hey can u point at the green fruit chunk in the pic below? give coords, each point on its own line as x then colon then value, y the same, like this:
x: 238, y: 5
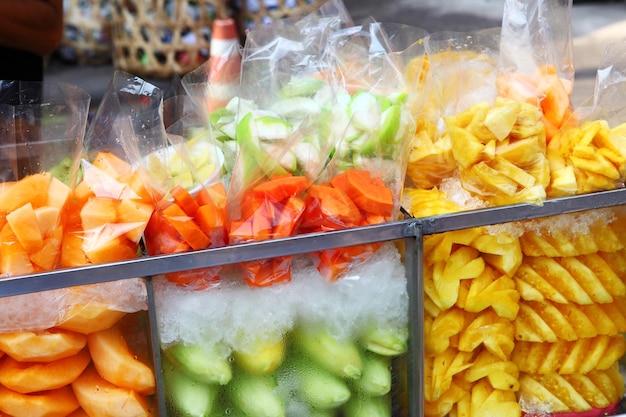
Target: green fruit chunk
x: 341, y: 357
x: 185, y: 396
x: 208, y: 364
x: 255, y: 395
x: 318, y: 387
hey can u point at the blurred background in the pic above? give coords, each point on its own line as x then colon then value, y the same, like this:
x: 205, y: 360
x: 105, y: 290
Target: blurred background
x: 160, y: 51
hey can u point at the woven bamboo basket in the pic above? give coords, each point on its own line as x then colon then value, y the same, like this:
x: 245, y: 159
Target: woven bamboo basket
x: 87, y: 32
x: 252, y: 13
x: 160, y: 38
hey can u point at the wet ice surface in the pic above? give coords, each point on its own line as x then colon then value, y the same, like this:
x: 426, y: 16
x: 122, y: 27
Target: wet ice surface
x: 372, y: 293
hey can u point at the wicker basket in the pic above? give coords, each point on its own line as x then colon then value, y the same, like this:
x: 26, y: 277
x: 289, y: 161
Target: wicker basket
x: 87, y: 32
x: 160, y: 38
x: 251, y: 13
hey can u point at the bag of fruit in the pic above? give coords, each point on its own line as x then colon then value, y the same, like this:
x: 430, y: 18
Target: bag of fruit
x: 283, y: 133
x: 110, y: 208
x: 371, y: 127
x: 589, y: 155
x: 192, y: 213
x: 536, y: 63
x: 53, y: 341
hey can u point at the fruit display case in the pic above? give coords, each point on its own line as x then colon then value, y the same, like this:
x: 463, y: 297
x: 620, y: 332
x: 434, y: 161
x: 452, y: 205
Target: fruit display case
x: 410, y: 231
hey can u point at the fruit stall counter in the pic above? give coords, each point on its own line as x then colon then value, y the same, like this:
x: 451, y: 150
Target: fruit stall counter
x: 410, y: 232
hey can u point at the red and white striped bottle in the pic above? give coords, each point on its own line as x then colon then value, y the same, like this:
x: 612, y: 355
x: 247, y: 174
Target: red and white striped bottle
x: 224, y: 63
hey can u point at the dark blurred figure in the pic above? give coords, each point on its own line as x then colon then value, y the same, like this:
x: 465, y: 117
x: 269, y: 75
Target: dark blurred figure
x: 29, y: 30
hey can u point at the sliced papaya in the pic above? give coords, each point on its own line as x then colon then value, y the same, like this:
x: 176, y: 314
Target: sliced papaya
x: 28, y: 377
x: 212, y: 221
x: 98, y: 397
x: 267, y: 272
x: 288, y: 219
x: 370, y: 194
x: 162, y: 238
x: 329, y: 208
x: 117, y: 364
x: 215, y: 193
x: 184, y: 199
x: 186, y: 227
x: 89, y: 318
x: 195, y: 279
x: 52, y: 403
x: 42, y: 346
x: 282, y: 187
x: 111, y: 164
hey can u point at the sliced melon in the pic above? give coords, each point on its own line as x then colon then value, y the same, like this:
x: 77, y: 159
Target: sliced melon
x: 42, y: 346
x: 98, y: 397
x: 29, y: 377
x: 117, y: 364
x: 52, y: 403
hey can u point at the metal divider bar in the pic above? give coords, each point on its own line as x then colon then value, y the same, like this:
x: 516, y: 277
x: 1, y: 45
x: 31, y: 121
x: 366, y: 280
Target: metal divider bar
x: 155, y: 347
x: 415, y: 287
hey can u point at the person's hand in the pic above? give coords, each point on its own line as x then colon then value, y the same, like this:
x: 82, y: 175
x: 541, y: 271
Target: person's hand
x: 31, y: 25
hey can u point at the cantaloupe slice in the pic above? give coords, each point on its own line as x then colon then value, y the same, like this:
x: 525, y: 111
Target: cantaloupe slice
x: 53, y: 403
x: 108, y: 244
x: 42, y: 346
x: 14, y: 260
x: 58, y: 193
x: 90, y: 318
x: 48, y: 257
x: 97, y: 212
x: 143, y: 185
x: 117, y: 364
x: 30, y: 189
x: 29, y: 377
x: 134, y: 212
x: 98, y: 397
x: 111, y: 164
x: 25, y: 226
x: 48, y: 218
x: 72, y: 252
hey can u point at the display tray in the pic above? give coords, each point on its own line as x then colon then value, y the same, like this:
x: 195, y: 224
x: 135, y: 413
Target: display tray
x: 410, y: 230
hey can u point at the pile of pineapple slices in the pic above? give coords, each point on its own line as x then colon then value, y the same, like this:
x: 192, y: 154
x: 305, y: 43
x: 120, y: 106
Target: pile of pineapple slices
x: 525, y: 318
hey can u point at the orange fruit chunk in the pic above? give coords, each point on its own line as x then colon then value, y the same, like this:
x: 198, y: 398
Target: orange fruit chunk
x: 29, y: 377
x: 42, y: 346
x: 98, y: 397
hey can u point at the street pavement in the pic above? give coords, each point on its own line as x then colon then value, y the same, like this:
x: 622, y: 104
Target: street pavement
x: 594, y: 25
